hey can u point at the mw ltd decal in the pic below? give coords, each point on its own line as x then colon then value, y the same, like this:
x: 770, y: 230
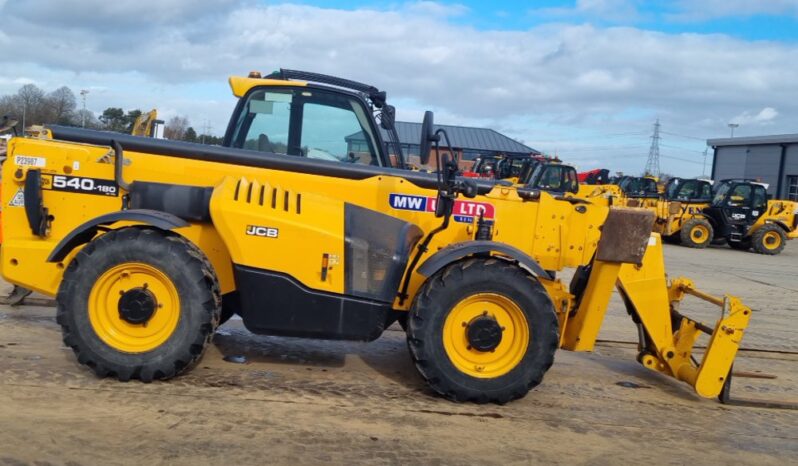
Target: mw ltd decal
x: 464, y: 211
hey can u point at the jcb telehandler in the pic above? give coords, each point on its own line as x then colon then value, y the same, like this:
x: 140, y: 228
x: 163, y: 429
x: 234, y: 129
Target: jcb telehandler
x: 639, y: 191
x: 679, y: 211
x: 741, y: 214
x: 148, y: 244
x: 560, y: 180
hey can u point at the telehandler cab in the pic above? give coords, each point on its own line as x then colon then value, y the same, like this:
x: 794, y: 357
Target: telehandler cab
x: 149, y: 244
x: 639, y: 191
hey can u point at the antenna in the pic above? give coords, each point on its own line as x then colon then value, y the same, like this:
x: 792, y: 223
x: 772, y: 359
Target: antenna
x: 652, y: 164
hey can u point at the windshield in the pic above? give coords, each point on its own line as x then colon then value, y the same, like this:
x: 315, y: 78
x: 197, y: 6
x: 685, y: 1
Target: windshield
x: 673, y: 188
x: 688, y: 190
x: 720, y: 194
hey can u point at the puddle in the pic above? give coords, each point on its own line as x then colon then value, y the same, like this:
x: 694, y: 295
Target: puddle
x: 236, y: 358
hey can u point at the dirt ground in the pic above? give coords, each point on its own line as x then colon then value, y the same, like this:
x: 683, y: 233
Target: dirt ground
x: 308, y: 402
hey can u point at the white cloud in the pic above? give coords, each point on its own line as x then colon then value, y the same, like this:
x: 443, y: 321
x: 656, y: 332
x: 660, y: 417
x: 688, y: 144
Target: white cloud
x: 701, y: 10
x: 764, y: 116
x: 539, y: 85
x: 610, y: 10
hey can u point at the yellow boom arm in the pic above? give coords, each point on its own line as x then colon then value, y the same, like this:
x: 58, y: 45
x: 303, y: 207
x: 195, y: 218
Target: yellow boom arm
x: 667, y: 338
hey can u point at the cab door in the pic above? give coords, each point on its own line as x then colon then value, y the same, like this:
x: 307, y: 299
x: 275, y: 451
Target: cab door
x: 738, y: 204
x: 759, y: 203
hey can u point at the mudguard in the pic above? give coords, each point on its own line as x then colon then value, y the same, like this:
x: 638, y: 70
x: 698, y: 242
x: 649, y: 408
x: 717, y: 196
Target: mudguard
x: 86, y: 231
x: 458, y: 251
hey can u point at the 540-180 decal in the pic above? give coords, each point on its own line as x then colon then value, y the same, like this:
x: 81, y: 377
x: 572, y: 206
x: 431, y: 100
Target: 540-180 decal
x: 80, y: 184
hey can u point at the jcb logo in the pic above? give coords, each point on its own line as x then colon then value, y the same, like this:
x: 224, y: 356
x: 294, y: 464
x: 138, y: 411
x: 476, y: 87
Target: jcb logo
x: 265, y: 232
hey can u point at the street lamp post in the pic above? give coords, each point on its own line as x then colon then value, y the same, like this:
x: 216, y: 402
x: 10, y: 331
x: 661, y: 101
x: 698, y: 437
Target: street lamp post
x: 732, y: 126
x: 83, y: 93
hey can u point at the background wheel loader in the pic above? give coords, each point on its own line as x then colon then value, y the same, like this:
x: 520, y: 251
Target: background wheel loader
x: 146, y: 242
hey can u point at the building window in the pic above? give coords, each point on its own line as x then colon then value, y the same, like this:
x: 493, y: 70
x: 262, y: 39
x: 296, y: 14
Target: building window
x: 792, y: 188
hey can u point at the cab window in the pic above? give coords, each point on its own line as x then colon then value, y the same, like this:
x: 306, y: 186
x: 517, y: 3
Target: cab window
x: 268, y: 115
x: 760, y: 198
x: 706, y: 191
x: 571, y: 181
x: 310, y: 123
x: 739, y: 196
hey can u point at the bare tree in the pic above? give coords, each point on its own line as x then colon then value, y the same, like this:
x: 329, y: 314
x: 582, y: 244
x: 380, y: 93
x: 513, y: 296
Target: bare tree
x: 62, y: 105
x: 90, y: 119
x: 176, y: 128
x: 34, y: 108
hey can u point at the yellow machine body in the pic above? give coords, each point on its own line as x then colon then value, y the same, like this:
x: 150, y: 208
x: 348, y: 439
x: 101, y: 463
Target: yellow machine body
x: 295, y: 223
x: 671, y: 215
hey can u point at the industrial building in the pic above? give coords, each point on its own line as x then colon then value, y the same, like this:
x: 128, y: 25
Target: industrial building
x: 467, y: 142
x: 769, y: 159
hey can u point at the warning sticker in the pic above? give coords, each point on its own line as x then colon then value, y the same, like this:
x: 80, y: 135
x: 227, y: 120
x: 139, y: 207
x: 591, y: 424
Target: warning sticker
x: 18, y: 200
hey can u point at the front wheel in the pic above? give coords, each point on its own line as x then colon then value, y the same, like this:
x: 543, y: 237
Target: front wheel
x: 696, y: 233
x: 138, y: 304
x: 482, y: 330
x: 769, y: 239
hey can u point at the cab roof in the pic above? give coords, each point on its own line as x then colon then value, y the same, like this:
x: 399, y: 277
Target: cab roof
x: 240, y: 85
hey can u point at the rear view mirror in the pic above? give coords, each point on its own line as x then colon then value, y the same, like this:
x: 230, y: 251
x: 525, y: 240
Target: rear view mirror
x: 427, y: 138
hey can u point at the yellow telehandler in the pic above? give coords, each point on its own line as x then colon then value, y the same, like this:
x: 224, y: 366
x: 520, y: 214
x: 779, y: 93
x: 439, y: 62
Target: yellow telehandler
x: 149, y: 244
x: 679, y: 209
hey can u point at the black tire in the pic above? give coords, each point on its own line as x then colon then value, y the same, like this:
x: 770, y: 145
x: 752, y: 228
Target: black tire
x: 456, y: 282
x: 743, y: 245
x: 696, y: 233
x: 769, y: 239
x: 183, y: 265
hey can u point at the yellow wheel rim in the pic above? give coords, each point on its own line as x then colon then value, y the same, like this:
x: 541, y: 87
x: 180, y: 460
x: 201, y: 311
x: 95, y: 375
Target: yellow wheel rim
x: 514, y: 336
x: 699, y: 234
x: 121, y: 334
x: 771, y: 240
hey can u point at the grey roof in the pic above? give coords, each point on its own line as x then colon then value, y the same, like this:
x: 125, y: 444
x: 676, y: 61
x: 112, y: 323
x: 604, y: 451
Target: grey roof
x: 754, y: 140
x: 464, y: 137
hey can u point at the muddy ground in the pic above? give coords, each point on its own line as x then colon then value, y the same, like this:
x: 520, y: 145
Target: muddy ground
x: 307, y: 402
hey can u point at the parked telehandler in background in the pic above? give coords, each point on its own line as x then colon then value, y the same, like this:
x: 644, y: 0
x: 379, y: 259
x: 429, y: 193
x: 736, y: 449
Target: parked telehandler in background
x: 149, y: 244
x: 639, y: 191
x: 679, y: 211
x: 741, y: 214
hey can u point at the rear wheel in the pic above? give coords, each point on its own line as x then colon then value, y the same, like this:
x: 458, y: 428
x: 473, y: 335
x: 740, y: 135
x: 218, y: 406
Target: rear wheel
x: 696, y: 233
x: 138, y: 304
x: 482, y: 330
x: 769, y: 239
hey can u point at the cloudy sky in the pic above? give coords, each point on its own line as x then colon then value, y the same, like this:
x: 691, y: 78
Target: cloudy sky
x: 584, y: 79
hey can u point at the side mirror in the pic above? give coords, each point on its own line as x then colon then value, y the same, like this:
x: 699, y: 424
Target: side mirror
x: 443, y: 205
x: 427, y: 138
